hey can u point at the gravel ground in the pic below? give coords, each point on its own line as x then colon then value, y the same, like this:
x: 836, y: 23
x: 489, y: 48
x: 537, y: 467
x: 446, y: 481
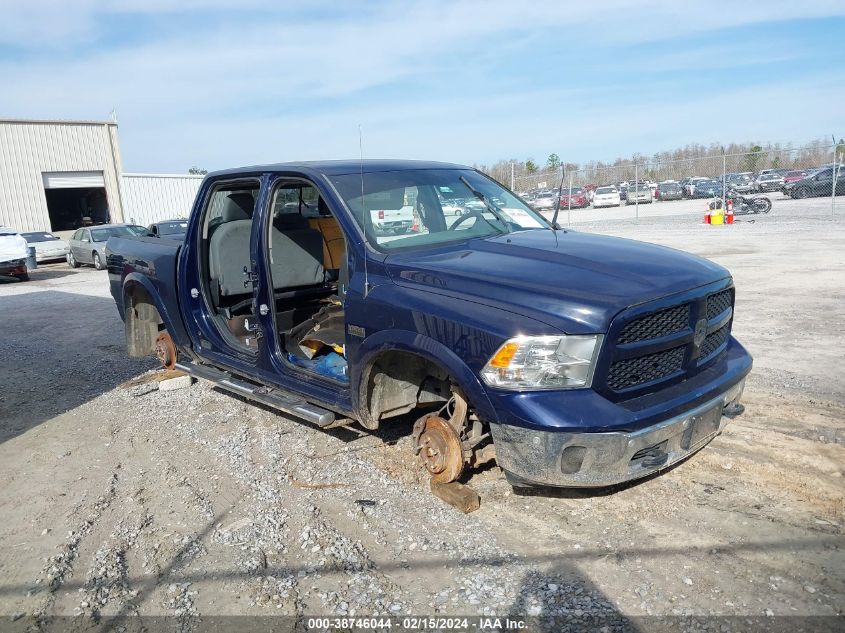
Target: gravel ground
x: 124, y: 499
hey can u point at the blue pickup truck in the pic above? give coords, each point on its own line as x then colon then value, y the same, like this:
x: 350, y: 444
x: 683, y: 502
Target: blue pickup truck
x: 571, y: 359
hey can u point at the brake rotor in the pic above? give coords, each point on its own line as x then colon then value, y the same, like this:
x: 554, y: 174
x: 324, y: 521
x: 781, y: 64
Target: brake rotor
x: 439, y: 448
x: 165, y: 350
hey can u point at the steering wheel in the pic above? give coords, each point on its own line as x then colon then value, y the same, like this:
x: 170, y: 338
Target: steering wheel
x: 472, y: 214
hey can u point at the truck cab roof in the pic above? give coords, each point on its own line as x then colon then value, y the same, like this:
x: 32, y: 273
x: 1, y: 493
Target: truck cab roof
x: 341, y: 167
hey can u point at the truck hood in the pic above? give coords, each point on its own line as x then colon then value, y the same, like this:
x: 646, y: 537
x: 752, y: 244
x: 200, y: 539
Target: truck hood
x: 575, y: 282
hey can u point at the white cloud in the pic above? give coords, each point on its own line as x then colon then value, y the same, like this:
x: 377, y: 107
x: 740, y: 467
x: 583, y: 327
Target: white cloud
x: 295, y: 81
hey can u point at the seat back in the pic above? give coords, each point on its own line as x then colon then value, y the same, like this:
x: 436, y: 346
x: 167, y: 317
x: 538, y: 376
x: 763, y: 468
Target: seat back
x: 297, y: 257
x: 229, y: 246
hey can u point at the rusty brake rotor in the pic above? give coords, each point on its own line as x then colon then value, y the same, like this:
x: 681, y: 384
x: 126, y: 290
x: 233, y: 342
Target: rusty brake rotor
x: 439, y: 448
x: 165, y: 350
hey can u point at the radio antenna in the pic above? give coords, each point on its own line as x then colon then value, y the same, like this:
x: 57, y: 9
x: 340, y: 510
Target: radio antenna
x: 559, y: 194
x: 363, y: 210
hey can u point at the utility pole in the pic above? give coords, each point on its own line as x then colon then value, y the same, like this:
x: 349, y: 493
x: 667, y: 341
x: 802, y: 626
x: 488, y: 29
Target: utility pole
x: 513, y: 180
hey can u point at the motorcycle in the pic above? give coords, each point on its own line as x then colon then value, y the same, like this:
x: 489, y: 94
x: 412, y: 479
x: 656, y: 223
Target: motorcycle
x: 743, y: 205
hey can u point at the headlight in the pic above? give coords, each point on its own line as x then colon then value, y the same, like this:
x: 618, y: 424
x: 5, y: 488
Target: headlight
x: 543, y: 362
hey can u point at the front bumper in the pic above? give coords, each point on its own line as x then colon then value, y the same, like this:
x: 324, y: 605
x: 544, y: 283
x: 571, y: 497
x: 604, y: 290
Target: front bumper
x: 578, y: 459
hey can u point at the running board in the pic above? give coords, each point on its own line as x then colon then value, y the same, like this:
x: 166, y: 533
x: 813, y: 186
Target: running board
x: 271, y: 397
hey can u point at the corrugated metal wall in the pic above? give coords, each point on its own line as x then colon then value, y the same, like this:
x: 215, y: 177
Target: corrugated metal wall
x: 29, y: 148
x: 148, y: 198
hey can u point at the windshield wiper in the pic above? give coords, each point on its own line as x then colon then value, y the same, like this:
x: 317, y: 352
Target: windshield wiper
x: 490, y: 206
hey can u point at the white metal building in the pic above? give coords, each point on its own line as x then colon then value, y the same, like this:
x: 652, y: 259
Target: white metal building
x: 148, y: 198
x: 53, y: 174
x: 58, y: 175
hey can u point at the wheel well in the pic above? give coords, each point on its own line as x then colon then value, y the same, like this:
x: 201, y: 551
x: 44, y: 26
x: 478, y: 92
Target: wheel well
x: 142, y: 322
x: 398, y: 382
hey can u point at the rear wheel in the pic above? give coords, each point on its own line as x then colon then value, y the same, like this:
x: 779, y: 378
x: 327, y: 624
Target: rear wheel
x: 761, y: 205
x: 98, y: 262
x: 801, y: 193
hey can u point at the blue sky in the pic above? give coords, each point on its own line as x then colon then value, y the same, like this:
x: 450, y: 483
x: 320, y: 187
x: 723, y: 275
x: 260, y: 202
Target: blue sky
x: 219, y: 83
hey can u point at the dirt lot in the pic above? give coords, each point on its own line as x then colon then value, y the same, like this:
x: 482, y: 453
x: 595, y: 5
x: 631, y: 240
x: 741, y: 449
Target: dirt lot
x: 120, y: 499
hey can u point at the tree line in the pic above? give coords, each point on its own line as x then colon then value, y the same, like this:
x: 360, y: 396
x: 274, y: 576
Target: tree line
x: 710, y: 159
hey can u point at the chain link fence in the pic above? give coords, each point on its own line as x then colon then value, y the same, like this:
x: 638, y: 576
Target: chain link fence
x: 769, y: 170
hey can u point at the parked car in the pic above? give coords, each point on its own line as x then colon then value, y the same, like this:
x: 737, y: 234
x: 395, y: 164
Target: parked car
x: 512, y: 340
x: 795, y: 175
x: 606, y: 197
x: 576, y: 198
x: 622, y: 188
x: 640, y: 193
x: 819, y: 183
x: 688, y: 185
x: 48, y: 247
x: 453, y: 207
x: 13, y: 254
x: 669, y: 190
x: 768, y: 182
x: 87, y: 245
x: 169, y: 229
x: 741, y: 183
x: 544, y: 201
x: 707, y: 189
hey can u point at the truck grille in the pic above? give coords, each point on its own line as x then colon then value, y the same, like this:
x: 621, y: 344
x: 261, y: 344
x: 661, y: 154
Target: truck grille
x: 645, y: 351
x: 714, y: 341
x: 719, y: 302
x: 655, y: 325
x: 636, y: 371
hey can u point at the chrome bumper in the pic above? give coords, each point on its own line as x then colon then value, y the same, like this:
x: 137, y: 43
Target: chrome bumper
x: 550, y: 458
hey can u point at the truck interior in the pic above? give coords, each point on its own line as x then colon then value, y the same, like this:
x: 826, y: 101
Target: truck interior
x: 307, y: 258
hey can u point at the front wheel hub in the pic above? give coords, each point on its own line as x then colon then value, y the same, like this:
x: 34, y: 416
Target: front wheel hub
x: 439, y: 448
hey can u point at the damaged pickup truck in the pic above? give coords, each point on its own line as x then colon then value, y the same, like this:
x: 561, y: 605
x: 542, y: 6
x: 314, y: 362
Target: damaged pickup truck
x: 571, y: 359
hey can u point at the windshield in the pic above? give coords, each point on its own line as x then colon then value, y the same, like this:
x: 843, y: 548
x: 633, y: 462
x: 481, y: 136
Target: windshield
x: 574, y: 190
x: 101, y: 235
x: 39, y: 237
x: 602, y: 190
x: 404, y: 209
x: 173, y: 228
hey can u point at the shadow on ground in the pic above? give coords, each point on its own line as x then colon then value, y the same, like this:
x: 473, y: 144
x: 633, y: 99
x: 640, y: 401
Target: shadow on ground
x: 57, y: 351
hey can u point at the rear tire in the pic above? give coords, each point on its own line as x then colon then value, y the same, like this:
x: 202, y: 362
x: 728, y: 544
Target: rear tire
x: 761, y: 205
x: 98, y: 263
x: 801, y: 193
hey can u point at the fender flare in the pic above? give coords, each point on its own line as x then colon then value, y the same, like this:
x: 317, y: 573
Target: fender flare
x: 424, y: 347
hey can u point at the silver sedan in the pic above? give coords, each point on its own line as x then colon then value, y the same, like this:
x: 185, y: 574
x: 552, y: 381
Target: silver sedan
x: 88, y: 245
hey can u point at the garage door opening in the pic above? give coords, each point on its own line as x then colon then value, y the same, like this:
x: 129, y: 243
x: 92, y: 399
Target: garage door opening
x: 76, y: 199
x: 70, y: 209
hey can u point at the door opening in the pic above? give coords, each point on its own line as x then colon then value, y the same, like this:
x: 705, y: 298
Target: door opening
x: 75, y: 207
x: 308, y: 268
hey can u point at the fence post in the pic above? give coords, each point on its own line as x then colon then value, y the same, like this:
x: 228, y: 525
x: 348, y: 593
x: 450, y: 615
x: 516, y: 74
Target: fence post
x: 835, y: 172
x: 724, y: 182
x: 569, y: 202
x: 636, y: 190
x: 513, y: 180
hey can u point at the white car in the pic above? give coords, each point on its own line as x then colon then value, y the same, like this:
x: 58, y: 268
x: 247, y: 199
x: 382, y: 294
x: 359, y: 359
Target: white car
x: 13, y: 253
x: 47, y: 246
x: 393, y: 221
x: 606, y: 197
